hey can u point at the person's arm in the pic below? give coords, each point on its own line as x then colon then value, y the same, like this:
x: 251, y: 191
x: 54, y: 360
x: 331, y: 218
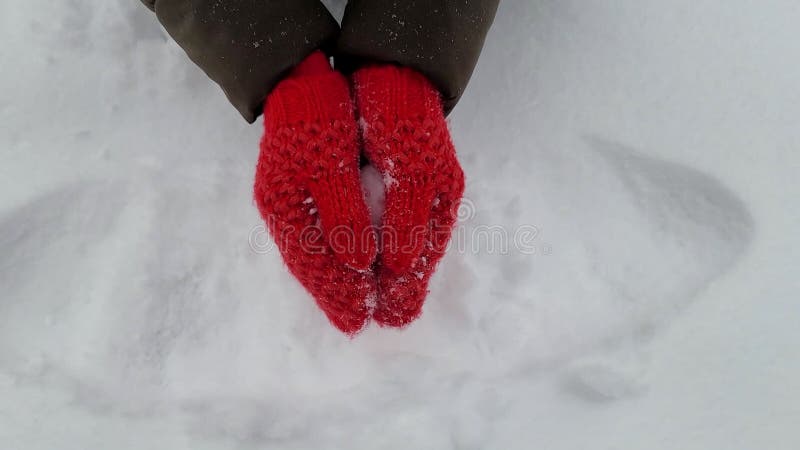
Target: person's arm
x: 247, y: 46
x: 442, y: 39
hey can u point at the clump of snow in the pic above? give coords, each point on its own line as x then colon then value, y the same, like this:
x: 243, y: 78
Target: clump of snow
x: 652, y: 309
x: 374, y: 192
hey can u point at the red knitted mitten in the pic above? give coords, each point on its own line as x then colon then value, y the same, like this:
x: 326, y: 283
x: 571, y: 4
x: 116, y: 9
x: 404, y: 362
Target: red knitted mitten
x: 307, y: 189
x: 406, y: 139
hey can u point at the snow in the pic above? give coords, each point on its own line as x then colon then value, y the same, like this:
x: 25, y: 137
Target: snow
x: 651, y: 146
x: 374, y: 192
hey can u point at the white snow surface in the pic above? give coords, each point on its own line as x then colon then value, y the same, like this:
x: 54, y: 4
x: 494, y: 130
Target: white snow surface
x: 647, y: 150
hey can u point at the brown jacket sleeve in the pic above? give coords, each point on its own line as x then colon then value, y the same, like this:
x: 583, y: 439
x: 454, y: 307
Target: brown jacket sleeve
x: 440, y: 38
x: 246, y: 46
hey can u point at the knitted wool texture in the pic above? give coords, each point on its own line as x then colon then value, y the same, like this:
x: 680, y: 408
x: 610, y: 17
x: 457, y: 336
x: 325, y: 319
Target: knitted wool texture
x: 307, y: 189
x: 406, y: 138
